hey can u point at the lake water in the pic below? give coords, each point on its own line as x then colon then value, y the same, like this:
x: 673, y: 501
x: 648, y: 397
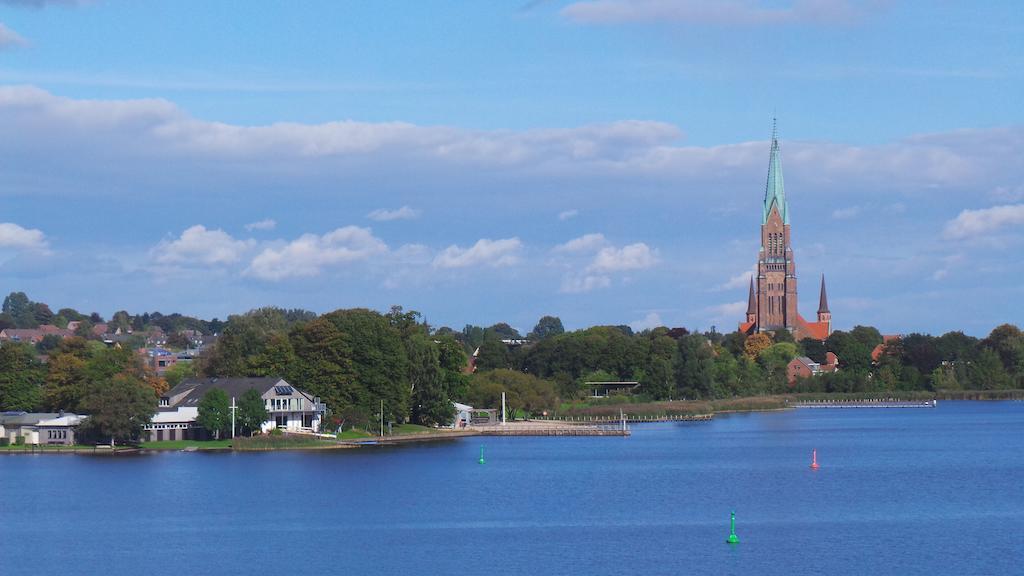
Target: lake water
x: 900, y: 491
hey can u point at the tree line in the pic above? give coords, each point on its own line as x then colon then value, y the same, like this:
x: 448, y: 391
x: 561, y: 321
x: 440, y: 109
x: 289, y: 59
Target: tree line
x: 357, y: 358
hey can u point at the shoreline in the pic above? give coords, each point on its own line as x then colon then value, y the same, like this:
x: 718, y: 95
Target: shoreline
x: 568, y: 425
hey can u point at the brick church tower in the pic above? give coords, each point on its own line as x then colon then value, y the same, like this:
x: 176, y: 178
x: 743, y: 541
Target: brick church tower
x: 772, y: 302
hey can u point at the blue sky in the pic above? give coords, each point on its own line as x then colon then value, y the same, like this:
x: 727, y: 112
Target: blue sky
x: 603, y: 161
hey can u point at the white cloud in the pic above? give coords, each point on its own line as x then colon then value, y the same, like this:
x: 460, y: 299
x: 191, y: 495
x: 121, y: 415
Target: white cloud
x: 585, y: 243
x: 567, y: 214
x: 651, y: 320
x: 486, y: 252
x: 199, y: 246
x: 741, y: 280
x: 975, y: 223
x: 1008, y: 193
x: 9, y: 38
x: 309, y: 254
x: 146, y: 132
x: 721, y: 12
x: 846, y: 213
x: 731, y: 312
x: 632, y: 257
x: 403, y: 213
x: 265, y: 224
x: 586, y: 283
x: 14, y: 236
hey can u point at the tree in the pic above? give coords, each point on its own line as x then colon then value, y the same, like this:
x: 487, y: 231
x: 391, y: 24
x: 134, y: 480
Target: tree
x: 546, y: 327
x: 252, y: 412
x: 813, y: 349
x: 178, y: 372
x: 41, y: 313
x: 493, y: 355
x: 783, y: 335
x: 503, y: 331
x: 215, y: 413
x: 48, y: 343
x: 755, y: 344
x: 430, y: 402
x: 524, y: 393
x: 21, y: 377
x: 694, y: 367
x: 20, y: 309
x: 118, y: 408
x: 854, y: 354
x: 65, y: 381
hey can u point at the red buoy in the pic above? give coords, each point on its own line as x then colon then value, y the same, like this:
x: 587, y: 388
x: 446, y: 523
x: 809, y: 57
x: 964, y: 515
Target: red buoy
x: 814, y: 459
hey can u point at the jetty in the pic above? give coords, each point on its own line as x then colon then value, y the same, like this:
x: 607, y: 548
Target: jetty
x: 873, y: 403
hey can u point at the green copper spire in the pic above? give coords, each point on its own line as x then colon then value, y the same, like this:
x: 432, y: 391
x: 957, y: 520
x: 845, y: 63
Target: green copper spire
x: 775, y: 192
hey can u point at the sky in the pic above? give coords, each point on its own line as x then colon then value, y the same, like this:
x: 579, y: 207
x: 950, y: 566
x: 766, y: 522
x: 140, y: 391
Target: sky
x: 603, y: 161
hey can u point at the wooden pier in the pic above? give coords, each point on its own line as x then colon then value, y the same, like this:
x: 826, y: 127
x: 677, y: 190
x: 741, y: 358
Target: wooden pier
x: 564, y: 430
x: 875, y: 403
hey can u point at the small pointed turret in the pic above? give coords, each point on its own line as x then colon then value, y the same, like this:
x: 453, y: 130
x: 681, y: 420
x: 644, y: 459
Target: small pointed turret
x: 823, y: 299
x: 752, y: 303
x: 775, y: 191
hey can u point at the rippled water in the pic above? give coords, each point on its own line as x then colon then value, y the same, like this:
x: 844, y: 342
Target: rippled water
x: 913, y: 491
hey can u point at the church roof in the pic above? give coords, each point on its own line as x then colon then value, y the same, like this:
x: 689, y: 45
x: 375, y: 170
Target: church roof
x: 823, y: 299
x: 775, y: 191
x: 751, y: 300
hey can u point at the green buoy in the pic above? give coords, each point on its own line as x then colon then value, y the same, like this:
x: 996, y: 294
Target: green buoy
x: 733, y: 538
x: 481, y: 460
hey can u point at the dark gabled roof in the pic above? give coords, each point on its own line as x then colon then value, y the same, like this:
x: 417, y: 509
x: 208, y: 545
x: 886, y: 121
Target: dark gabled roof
x: 195, y: 388
x: 26, y: 418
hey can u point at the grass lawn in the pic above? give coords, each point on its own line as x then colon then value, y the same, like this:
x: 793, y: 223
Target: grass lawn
x: 182, y: 444
x: 46, y: 447
x: 413, y: 429
x: 353, y: 434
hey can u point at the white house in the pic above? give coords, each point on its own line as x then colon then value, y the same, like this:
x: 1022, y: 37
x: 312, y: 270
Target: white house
x: 40, y: 428
x: 290, y: 409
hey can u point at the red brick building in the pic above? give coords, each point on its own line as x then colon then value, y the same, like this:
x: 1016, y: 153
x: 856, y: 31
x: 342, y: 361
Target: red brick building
x: 772, y: 303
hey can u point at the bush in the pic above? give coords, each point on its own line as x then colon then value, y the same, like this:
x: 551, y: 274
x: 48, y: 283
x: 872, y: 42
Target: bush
x: 19, y: 440
x: 5, y: 441
x: 276, y: 432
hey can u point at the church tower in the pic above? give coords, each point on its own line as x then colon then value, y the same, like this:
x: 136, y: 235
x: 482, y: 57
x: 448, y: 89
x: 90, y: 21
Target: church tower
x: 776, y: 270
x: 772, y: 301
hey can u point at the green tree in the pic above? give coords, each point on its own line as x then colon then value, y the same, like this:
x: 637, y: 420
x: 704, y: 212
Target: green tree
x: 493, y: 355
x: 65, y: 380
x: 21, y: 378
x: 854, y: 355
x: 783, y: 335
x: 694, y: 367
x: 252, y: 412
x: 813, y: 349
x: 20, y: 309
x: 178, y: 372
x: 430, y: 402
x: 524, y: 393
x: 546, y: 327
x: 118, y: 408
x: 215, y: 413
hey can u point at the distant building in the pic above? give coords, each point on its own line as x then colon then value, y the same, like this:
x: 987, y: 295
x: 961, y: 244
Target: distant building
x: 804, y: 367
x: 605, y: 389
x: 876, y: 353
x: 772, y: 301
x: 290, y: 409
x: 40, y: 428
x: 33, y: 335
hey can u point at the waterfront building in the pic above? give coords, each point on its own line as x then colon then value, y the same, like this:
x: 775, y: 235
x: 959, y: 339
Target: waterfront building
x: 54, y: 428
x: 804, y: 367
x: 290, y: 409
x: 772, y: 300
